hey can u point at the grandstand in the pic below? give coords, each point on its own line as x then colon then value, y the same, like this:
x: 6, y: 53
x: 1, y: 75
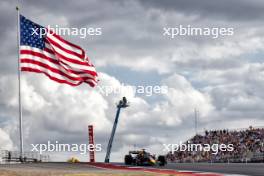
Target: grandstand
x: 248, y: 145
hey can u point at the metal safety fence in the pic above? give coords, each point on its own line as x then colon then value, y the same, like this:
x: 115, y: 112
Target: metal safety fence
x: 14, y: 156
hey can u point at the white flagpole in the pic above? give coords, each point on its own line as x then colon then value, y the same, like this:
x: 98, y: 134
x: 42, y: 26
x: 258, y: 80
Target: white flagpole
x: 19, y: 88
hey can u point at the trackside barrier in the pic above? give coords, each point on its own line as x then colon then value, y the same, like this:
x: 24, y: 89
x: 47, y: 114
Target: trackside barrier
x: 14, y: 156
x: 256, y: 158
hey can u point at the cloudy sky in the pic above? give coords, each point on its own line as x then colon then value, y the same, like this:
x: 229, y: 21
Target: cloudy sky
x: 223, y: 78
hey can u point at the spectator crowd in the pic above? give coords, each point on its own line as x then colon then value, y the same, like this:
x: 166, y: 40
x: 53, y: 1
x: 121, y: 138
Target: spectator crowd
x: 248, y: 145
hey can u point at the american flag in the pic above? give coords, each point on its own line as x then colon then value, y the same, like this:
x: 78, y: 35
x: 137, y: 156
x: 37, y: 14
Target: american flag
x: 50, y: 54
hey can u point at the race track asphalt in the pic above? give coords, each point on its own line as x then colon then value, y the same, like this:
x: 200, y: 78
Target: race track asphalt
x: 254, y: 169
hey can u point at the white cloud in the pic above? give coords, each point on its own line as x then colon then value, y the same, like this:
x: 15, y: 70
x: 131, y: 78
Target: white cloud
x: 5, y: 141
x: 184, y: 98
x: 60, y: 112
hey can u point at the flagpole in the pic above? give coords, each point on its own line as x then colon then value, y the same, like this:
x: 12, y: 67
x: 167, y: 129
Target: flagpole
x: 19, y: 88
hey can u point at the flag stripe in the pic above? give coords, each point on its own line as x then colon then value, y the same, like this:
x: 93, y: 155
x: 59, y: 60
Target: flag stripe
x: 38, y: 61
x: 50, y: 58
x: 64, y: 50
x: 54, y: 78
x: 68, y: 43
x: 64, y: 56
x: 78, y: 51
x: 48, y: 71
x: 57, y: 76
x: 68, y: 64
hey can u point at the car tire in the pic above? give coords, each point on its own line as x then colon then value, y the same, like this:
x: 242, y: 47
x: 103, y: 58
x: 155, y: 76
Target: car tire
x: 128, y: 160
x: 162, y: 160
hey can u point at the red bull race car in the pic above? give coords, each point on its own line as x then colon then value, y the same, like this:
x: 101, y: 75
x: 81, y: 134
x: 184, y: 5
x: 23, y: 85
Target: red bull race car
x: 143, y: 158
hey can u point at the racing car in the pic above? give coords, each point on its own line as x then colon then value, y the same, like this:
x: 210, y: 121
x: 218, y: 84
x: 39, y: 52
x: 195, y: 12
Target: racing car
x: 143, y: 158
